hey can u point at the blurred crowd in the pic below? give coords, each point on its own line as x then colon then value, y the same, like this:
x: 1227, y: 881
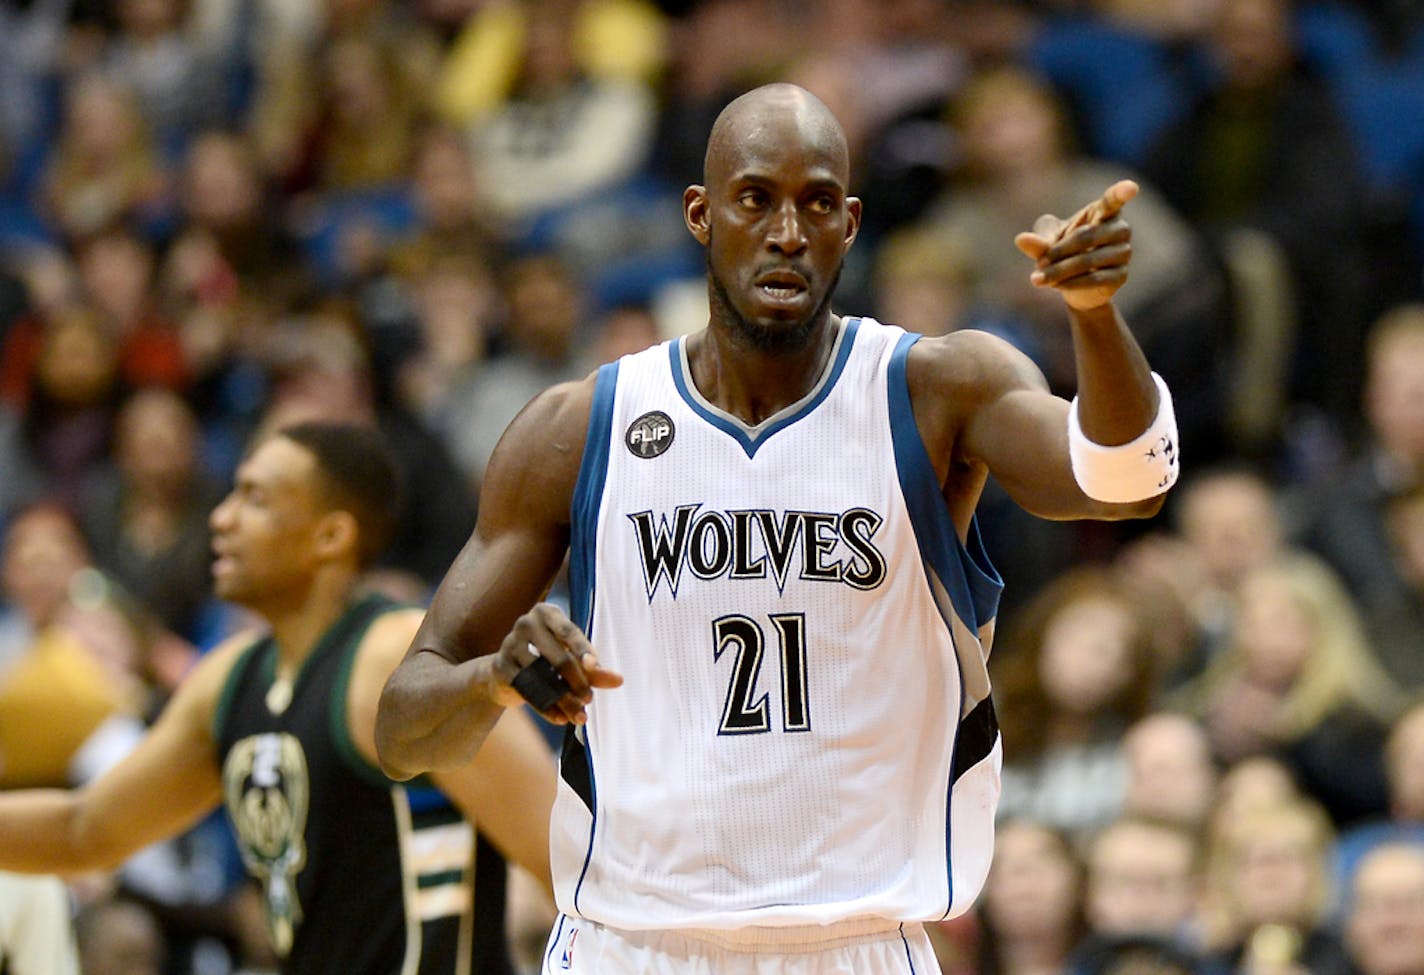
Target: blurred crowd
x: 218, y: 216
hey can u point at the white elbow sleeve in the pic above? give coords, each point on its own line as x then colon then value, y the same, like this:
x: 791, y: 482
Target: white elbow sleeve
x: 1135, y: 471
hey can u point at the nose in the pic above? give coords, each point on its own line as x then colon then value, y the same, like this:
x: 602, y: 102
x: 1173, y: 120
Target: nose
x: 221, y: 515
x: 787, y: 235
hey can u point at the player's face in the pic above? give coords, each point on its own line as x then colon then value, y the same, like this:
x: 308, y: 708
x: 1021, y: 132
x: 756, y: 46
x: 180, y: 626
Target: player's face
x: 263, y: 531
x: 779, y: 224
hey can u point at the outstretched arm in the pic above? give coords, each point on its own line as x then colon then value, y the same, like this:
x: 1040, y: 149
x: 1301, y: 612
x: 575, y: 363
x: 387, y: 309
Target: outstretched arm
x: 165, y: 785
x: 1005, y: 420
x: 455, y: 681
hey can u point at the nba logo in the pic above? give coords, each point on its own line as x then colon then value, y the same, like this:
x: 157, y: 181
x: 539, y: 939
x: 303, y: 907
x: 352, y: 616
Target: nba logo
x: 566, y: 960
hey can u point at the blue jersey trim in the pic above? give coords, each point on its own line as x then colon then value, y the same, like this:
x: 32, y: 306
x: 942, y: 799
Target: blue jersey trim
x: 750, y: 442
x: 967, y: 574
x: 583, y: 534
x: 971, y: 583
x: 588, y: 496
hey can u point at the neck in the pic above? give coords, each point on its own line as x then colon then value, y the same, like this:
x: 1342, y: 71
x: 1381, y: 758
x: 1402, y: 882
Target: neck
x: 299, y: 622
x: 752, y: 384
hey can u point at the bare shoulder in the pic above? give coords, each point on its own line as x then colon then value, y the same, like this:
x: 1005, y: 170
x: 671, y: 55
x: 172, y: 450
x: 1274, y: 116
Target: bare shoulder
x: 970, y: 364
x: 381, y: 650
x: 535, y: 465
x: 197, y: 696
x: 387, y: 638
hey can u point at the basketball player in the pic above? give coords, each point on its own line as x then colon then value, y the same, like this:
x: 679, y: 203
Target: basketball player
x: 361, y: 875
x: 783, y: 757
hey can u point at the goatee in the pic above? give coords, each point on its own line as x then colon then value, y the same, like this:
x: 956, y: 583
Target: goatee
x: 769, y: 340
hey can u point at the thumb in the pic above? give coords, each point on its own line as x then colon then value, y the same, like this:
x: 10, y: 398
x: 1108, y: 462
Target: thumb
x: 1031, y: 244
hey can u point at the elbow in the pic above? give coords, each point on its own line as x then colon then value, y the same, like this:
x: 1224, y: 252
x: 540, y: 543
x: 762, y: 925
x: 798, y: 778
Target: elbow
x: 393, y: 753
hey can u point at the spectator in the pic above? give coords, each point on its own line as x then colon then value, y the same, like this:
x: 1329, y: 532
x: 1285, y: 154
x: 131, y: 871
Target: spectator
x: 1394, y: 614
x: 147, y: 516
x: 65, y: 408
x: 1404, y: 775
x: 1385, y: 927
x: 1070, y: 677
x: 1032, y: 908
x: 119, y: 937
x: 116, y: 270
x: 323, y: 372
x: 1231, y: 521
x: 1170, y: 773
x: 1144, y: 878
x: 561, y: 135
x: 104, y: 167
x: 1273, y: 890
x: 55, y: 689
x: 179, y: 84
x: 1296, y: 680
x: 1347, y: 519
x: 546, y: 309
x: 1264, y: 163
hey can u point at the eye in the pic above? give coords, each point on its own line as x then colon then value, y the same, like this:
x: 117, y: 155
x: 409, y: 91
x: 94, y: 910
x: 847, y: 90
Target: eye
x: 823, y: 203
x: 752, y: 198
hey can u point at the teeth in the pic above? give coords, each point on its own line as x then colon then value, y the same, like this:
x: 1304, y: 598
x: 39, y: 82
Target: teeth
x: 778, y: 291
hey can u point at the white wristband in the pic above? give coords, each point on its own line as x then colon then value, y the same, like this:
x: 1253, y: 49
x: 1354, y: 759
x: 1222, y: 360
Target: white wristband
x: 1135, y: 471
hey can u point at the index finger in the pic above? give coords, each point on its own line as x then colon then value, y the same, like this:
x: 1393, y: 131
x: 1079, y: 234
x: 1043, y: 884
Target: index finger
x: 1114, y: 198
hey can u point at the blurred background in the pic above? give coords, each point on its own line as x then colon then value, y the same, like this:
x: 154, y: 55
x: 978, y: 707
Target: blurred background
x: 221, y: 215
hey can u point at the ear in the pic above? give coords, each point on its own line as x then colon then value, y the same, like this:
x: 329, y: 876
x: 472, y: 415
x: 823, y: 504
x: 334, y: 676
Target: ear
x: 853, y: 210
x: 694, y: 213
x: 337, y: 535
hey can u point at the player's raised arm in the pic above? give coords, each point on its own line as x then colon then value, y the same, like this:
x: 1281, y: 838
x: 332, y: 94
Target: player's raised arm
x: 475, y: 643
x: 1112, y: 453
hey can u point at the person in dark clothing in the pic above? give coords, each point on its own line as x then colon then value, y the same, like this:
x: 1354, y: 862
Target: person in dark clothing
x: 361, y: 875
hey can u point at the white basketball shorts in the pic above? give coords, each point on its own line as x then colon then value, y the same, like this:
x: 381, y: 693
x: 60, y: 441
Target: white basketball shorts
x: 857, y: 947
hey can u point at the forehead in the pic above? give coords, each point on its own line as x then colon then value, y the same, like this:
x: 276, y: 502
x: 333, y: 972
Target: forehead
x: 781, y: 145
x: 279, y: 464
x: 1392, y: 869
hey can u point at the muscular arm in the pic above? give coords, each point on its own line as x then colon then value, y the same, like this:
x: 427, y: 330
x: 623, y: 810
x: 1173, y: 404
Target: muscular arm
x: 443, y: 699
x: 984, y: 408
x: 164, y: 786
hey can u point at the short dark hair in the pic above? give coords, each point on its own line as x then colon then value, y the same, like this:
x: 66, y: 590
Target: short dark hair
x: 359, y: 475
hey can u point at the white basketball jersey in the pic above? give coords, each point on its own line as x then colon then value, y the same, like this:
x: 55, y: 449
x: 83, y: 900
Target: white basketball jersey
x: 805, y: 733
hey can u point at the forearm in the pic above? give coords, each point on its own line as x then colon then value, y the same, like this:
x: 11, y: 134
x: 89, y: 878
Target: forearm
x: 434, y: 714
x: 1117, y: 399
x: 44, y: 831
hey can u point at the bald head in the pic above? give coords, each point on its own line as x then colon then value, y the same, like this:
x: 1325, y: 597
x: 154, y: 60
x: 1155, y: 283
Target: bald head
x: 774, y: 117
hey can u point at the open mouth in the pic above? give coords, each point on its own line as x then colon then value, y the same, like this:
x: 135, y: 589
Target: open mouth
x: 782, y: 285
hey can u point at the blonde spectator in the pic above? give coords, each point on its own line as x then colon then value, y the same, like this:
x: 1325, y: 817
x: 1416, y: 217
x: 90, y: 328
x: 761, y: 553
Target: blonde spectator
x: 1270, y: 890
x: 368, y: 110
x: 1296, y: 679
x: 104, y: 168
x: 561, y: 135
x: 922, y: 279
x: 619, y: 40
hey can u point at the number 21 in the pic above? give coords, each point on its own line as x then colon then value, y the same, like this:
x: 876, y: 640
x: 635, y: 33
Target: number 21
x: 741, y: 715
